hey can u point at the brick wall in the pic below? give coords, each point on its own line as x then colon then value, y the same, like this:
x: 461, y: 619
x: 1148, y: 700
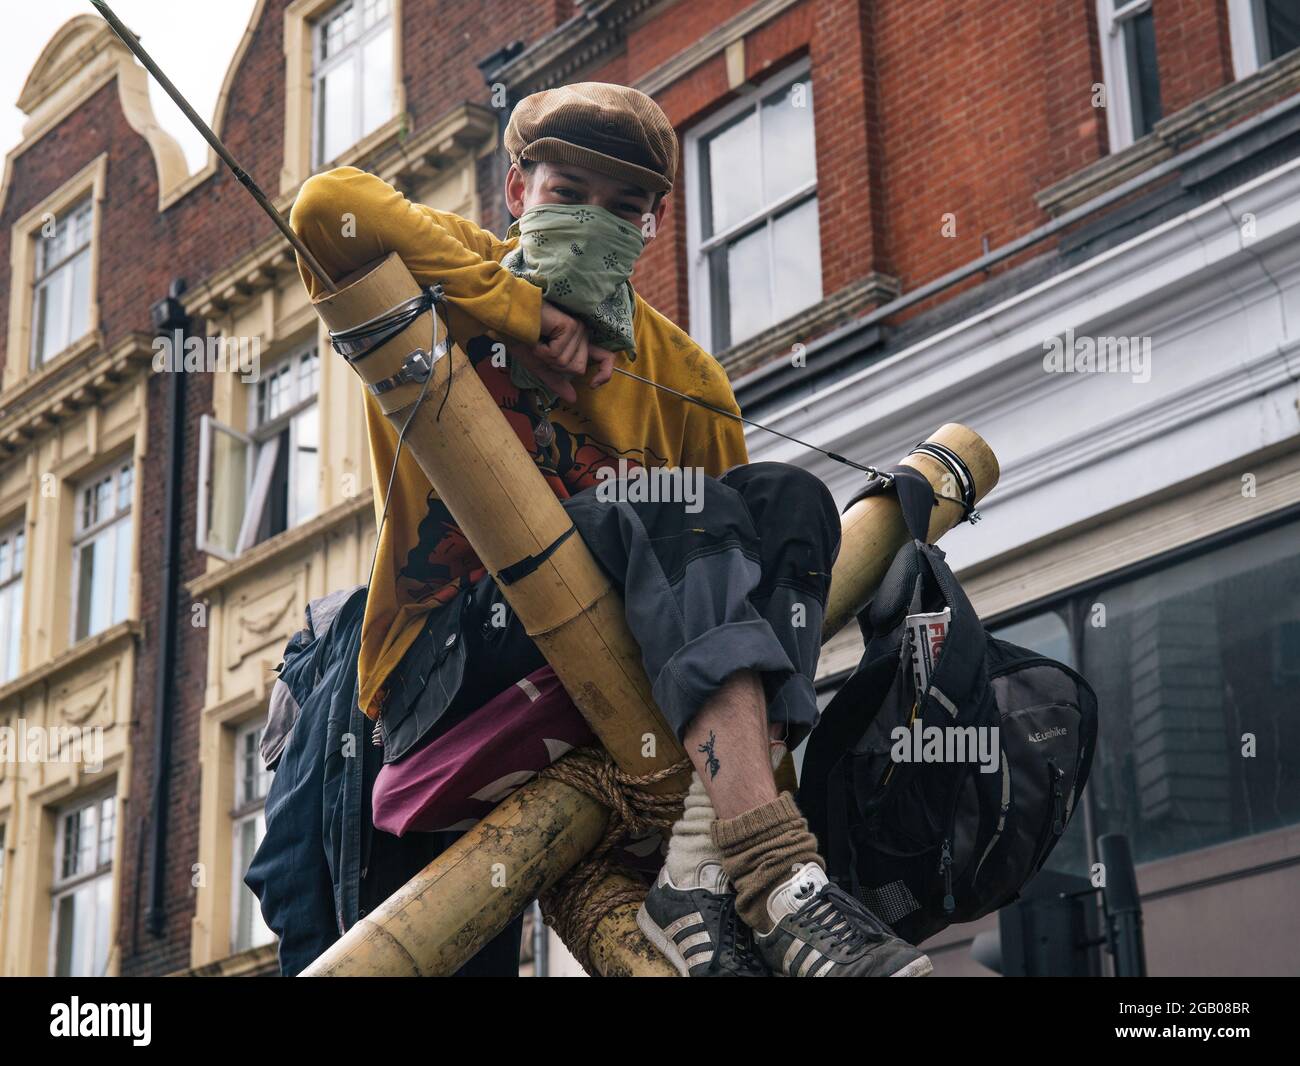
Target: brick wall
x: 129, y: 219
x: 141, y: 253
x: 921, y: 108
x: 1193, y: 50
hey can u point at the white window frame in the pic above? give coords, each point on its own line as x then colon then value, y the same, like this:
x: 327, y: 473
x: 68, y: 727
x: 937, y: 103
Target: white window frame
x: 697, y: 247
x: 247, y: 808
x: 64, y: 885
x: 1249, y: 33
x: 1114, y: 69
x: 262, y: 444
x: 44, y: 273
x: 82, y: 534
x: 13, y: 545
x: 354, y: 50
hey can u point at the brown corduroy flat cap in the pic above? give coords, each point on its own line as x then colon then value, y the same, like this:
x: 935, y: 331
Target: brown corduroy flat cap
x: 611, y: 129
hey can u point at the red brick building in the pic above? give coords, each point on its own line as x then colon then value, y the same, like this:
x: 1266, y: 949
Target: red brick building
x: 838, y: 159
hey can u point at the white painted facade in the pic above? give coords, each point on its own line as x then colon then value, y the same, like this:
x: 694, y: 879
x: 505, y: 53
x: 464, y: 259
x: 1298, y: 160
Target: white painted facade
x: 1222, y: 309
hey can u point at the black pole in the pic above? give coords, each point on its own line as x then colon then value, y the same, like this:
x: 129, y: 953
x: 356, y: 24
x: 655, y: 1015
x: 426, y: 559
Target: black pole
x: 171, y: 320
x: 1123, y: 906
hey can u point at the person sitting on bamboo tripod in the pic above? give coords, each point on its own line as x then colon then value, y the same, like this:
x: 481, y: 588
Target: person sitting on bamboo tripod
x: 724, y: 592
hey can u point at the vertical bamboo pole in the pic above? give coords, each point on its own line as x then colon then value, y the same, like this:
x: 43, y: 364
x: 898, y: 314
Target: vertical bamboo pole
x: 501, y: 502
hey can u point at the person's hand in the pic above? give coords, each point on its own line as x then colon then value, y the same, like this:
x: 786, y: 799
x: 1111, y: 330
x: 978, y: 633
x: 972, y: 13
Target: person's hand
x: 604, y: 361
x: 562, y: 344
x: 562, y: 354
x: 558, y: 383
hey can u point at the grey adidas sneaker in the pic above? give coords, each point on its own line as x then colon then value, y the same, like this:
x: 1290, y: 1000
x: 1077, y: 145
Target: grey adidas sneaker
x: 822, y: 931
x: 696, y: 928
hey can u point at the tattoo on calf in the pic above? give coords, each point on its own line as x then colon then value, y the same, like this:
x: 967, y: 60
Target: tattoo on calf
x: 712, y: 762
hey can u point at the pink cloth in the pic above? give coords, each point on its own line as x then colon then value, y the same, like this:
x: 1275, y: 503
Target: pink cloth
x: 455, y: 780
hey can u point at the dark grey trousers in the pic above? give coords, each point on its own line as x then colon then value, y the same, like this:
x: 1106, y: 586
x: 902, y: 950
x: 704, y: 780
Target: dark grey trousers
x: 735, y: 578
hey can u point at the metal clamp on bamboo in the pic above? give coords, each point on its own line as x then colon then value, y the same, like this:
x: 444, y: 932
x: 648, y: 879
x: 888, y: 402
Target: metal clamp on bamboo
x: 481, y: 471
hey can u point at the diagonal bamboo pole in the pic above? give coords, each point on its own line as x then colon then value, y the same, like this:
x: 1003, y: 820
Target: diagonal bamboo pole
x: 463, y: 898
x: 501, y: 502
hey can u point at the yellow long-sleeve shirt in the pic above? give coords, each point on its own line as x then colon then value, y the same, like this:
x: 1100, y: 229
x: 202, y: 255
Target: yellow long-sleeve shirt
x: 349, y: 218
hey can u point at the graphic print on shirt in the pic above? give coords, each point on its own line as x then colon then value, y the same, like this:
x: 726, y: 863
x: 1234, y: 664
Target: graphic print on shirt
x: 441, y: 562
x: 440, y: 559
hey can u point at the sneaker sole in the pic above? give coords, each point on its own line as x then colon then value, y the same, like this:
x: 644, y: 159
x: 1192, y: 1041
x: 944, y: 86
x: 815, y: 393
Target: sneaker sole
x: 663, y: 944
x: 921, y: 967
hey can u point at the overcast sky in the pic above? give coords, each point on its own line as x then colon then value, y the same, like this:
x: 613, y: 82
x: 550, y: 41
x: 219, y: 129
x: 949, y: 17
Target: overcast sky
x: 192, y: 41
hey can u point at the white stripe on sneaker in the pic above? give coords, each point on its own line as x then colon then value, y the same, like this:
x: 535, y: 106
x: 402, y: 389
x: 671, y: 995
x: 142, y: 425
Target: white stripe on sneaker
x: 825, y: 968
x: 686, y: 943
x: 812, y: 958
x: 683, y: 923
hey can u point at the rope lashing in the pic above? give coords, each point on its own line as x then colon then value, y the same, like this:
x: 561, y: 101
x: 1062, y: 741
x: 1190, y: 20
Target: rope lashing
x: 576, y: 903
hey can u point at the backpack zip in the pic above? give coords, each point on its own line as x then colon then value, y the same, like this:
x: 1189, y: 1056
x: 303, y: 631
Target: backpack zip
x: 945, y: 868
x: 1057, y: 826
x: 1058, y: 821
x: 1003, y: 808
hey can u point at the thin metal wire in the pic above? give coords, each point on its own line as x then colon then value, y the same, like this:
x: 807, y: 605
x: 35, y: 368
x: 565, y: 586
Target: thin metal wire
x: 757, y: 425
x: 885, y: 478
x: 401, y: 438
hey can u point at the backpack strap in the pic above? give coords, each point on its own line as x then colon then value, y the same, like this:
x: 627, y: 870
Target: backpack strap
x: 915, y: 496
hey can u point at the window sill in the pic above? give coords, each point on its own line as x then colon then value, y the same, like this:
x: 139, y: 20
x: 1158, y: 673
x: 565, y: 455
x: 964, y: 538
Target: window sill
x: 282, y: 546
x: 77, y: 378
x: 33, y: 379
x: 402, y: 157
x: 361, y: 154
x: 371, y: 145
x: 109, y: 643
x: 804, y: 326
x: 261, y: 961
x: 1209, y: 115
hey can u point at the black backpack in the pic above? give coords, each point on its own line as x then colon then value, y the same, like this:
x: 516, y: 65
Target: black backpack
x: 927, y: 843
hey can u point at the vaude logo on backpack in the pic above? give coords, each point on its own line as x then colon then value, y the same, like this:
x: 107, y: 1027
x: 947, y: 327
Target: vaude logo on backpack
x: 947, y: 767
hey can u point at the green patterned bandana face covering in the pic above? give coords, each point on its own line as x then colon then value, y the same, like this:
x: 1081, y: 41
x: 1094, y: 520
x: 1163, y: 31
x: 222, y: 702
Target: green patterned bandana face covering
x: 581, y: 258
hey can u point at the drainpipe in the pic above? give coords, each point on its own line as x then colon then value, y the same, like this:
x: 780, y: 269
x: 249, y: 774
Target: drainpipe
x: 169, y: 318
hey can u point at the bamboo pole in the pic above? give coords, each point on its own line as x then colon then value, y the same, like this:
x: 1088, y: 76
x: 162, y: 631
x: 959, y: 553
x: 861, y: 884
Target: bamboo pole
x: 448, y: 911
x: 426, y: 928
x: 501, y: 502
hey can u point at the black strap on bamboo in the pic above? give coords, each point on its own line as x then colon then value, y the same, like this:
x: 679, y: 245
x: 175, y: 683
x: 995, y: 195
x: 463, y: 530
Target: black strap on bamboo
x: 916, y: 496
x: 527, y: 565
